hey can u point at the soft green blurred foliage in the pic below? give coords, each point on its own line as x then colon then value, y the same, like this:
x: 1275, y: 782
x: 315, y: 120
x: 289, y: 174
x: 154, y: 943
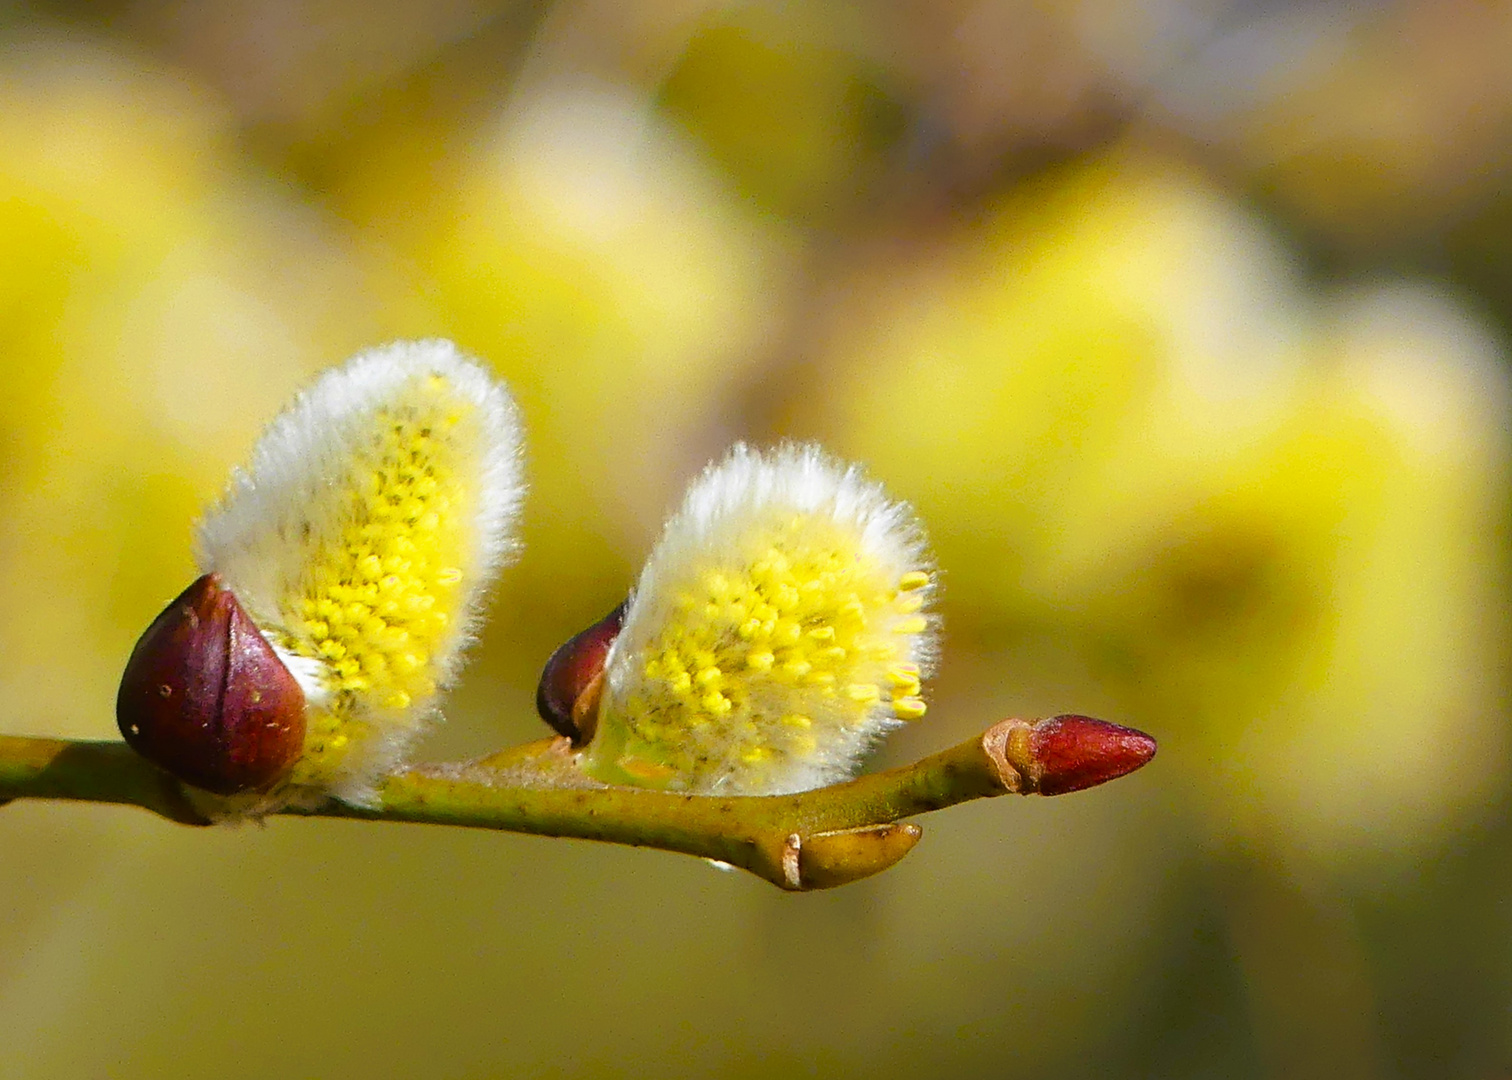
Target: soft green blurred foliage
x: 1183, y: 330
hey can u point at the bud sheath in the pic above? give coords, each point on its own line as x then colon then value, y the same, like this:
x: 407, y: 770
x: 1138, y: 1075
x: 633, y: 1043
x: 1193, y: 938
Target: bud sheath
x: 205, y: 696
x: 568, y: 695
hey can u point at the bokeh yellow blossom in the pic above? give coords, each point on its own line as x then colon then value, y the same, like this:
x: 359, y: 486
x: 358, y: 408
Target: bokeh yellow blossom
x: 159, y: 301
x: 1162, y: 450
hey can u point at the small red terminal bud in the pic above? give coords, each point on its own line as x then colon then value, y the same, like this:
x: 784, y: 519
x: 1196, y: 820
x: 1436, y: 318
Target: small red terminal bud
x: 1077, y: 752
x: 205, y: 697
x: 567, y: 697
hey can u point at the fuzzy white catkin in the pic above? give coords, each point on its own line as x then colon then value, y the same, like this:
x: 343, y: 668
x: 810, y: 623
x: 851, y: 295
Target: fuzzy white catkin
x: 363, y: 537
x: 779, y: 628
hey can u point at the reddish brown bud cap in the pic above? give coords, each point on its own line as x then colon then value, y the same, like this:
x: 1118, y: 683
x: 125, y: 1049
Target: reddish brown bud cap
x: 205, y: 696
x: 1075, y: 752
x: 567, y: 697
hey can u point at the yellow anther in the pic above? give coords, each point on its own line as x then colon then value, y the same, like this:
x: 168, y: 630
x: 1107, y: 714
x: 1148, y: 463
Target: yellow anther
x: 797, y: 669
x: 862, y: 692
x: 914, y: 579
x: 914, y: 624
x: 797, y: 720
x: 904, y: 675
x: 909, y: 708
x: 853, y: 610
x: 822, y: 633
x: 707, y: 677
x: 760, y: 661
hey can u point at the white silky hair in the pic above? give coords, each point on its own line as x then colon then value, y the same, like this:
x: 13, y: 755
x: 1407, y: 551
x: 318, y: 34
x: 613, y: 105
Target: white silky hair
x: 259, y: 535
x: 720, y: 506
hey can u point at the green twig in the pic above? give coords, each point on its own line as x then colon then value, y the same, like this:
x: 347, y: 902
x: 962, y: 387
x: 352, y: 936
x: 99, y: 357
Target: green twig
x: 810, y: 840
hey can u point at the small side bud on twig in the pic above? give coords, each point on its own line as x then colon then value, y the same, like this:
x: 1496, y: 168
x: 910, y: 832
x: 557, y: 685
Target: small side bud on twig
x: 573, y: 680
x: 1064, y: 753
x: 827, y: 859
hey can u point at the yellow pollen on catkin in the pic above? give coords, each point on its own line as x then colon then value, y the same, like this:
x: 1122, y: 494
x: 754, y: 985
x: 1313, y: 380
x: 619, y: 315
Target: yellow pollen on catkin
x: 380, y: 597
x: 792, y: 639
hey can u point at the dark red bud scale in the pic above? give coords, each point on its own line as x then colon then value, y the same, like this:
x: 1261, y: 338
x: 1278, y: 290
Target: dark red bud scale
x: 205, y: 697
x: 568, y: 695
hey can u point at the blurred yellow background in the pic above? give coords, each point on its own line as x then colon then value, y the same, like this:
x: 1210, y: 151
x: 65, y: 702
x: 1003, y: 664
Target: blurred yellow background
x: 1183, y: 325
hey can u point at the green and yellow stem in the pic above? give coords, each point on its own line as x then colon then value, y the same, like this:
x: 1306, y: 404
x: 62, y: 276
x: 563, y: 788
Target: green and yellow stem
x: 810, y: 840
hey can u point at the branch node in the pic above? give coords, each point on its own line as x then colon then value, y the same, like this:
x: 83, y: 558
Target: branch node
x: 1008, y: 747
